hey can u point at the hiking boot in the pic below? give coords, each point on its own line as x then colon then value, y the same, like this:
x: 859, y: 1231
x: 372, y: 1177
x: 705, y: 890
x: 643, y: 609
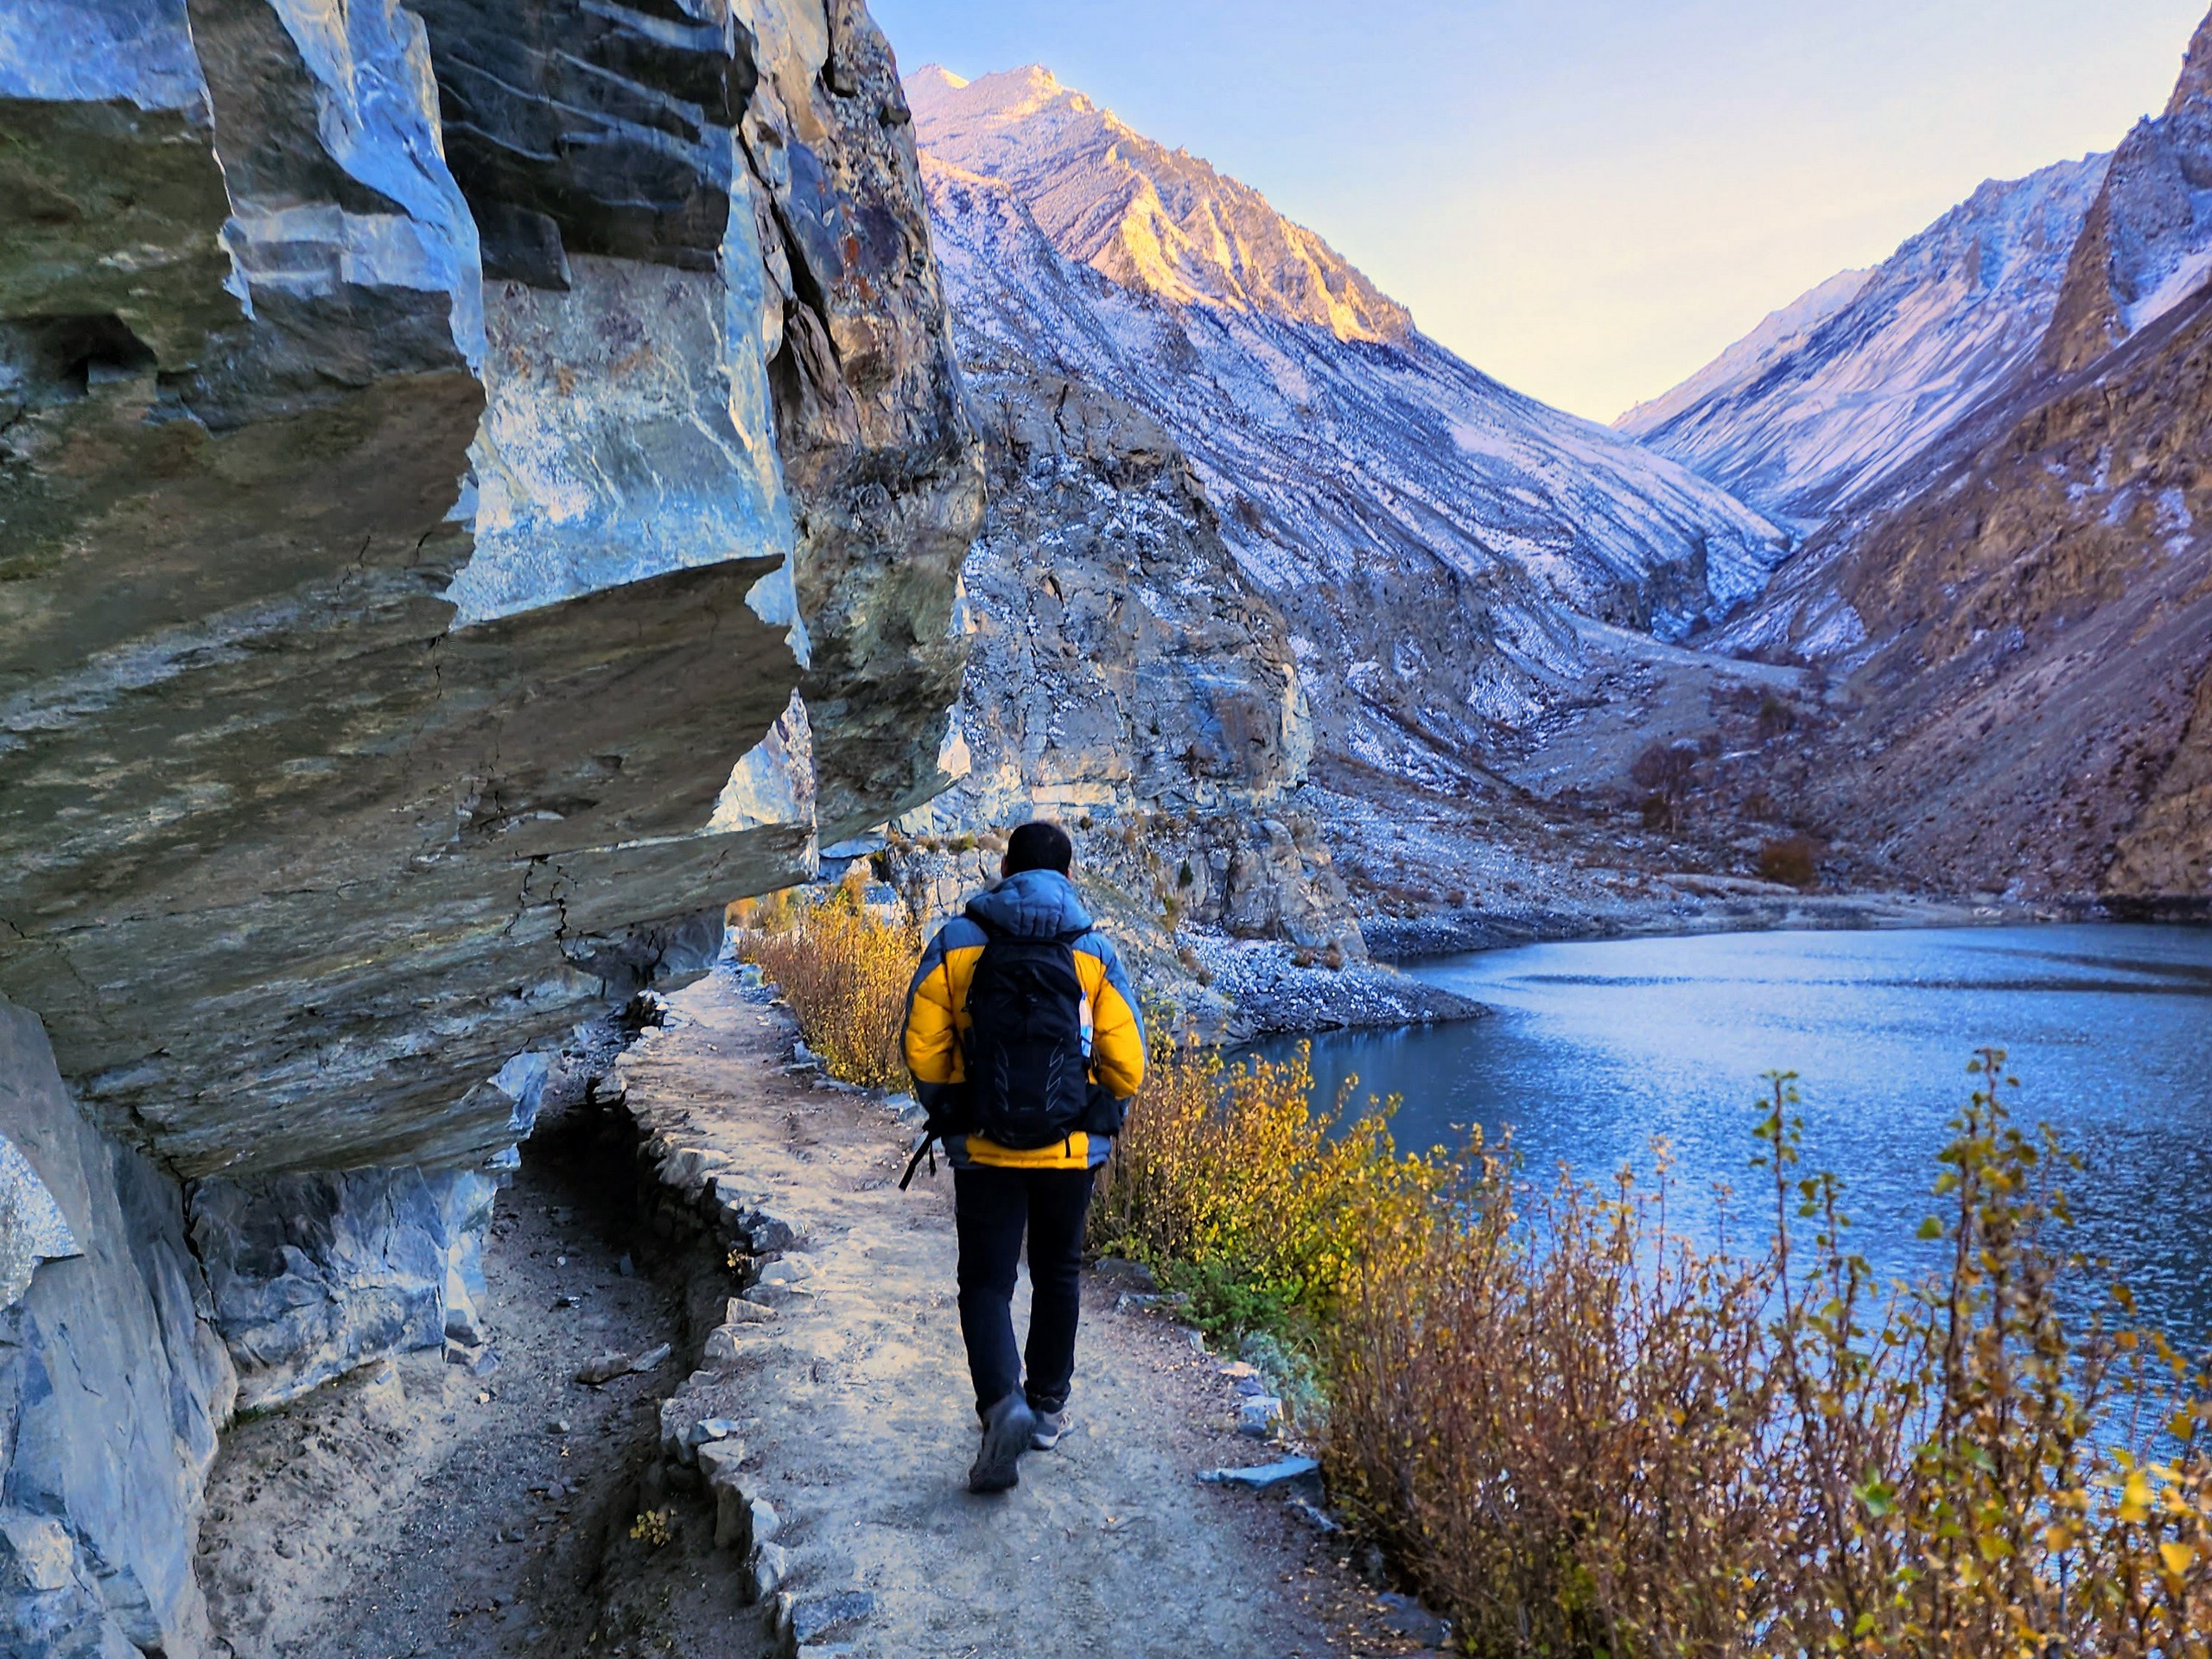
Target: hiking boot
x: 1051, y: 1425
x: 1007, y: 1427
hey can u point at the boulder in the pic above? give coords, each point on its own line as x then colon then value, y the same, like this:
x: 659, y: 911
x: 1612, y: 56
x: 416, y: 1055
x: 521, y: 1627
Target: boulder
x: 818, y: 1615
x: 771, y: 1564
x: 1266, y: 1477
x: 1259, y: 1416
x: 603, y: 1367
x: 312, y: 1276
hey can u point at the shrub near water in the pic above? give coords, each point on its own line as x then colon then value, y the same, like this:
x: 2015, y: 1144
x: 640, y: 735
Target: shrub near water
x: 1229, y: 1183
x: 1794, y: 860
x: 1581, y: 1435
x: 1584, y: 1436
x: 1550, y: 1421
x: 845, y: 974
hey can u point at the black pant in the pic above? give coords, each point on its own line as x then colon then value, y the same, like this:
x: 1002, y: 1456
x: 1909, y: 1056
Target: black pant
x: 991, y: 1207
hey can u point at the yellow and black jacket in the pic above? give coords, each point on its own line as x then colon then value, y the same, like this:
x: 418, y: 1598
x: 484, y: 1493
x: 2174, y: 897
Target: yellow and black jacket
x: 1032, y: 904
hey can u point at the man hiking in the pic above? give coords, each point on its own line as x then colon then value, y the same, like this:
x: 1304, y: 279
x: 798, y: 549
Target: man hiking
x: 1025, y: 1042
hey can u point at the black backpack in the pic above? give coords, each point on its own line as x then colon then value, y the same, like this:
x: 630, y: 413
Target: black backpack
x: 1028, y: 1081
x: 1028, y: 1078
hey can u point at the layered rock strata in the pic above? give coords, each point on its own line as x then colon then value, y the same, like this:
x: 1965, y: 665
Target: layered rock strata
x: 885, y: 479
x: 480, y: 487
x: 113, y: 1382
x: 2038, y: 622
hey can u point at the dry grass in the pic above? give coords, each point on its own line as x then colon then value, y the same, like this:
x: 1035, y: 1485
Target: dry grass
x: 845, y: 974
x: 1542, y: 1417
x: 1794, y: 860
x: 1581, y: 1435
x: 1584, y: 1436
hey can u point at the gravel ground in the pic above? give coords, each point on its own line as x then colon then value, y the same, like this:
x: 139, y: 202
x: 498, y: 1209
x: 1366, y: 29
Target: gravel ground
x: 419, y: 1509
x: 1276, y: 994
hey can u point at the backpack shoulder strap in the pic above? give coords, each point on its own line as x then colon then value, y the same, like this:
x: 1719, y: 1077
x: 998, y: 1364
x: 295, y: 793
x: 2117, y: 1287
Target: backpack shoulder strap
x: 925, y: 1146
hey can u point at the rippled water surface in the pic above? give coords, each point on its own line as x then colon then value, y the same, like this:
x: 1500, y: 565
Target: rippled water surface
x: 1596, y: 1048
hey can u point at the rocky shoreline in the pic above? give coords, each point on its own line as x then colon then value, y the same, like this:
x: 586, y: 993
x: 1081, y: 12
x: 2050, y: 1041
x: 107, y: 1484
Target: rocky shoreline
x: 1404, y: 940
x: 1278, y: 988
x: 1277, y: 994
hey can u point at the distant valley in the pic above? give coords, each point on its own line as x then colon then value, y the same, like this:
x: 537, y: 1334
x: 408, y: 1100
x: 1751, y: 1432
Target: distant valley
x: 1445, y: 570
x: 1876, y: 584
x: 1426, y: 530
x: 2014, y: 593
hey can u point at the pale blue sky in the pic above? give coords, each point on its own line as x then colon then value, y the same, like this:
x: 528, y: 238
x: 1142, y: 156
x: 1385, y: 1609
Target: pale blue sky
x: 1589, y: 198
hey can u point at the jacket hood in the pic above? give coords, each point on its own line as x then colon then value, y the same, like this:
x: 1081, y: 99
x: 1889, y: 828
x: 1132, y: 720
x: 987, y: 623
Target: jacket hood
x: 1033, y: 905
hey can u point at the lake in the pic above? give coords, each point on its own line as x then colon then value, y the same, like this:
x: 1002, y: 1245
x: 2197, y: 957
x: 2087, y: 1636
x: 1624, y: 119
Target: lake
x: 1597, y: 1047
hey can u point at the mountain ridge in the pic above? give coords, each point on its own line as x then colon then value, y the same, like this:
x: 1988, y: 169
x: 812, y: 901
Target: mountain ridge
x: 1182, y: 230
x: 1807, y: 422
x: 2146, y: 244
x: 1425, y: 528
x: 2022, y: 607
x: 1779, y: 332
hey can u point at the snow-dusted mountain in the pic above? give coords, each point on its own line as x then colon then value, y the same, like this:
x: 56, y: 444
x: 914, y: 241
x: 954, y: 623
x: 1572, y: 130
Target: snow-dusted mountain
x: 2148, y: 243
x: 1831, y: 395
x: 1782, y: 334
x: 1421, y: 526
x: 2024, y: 609
x: 1157, y: 220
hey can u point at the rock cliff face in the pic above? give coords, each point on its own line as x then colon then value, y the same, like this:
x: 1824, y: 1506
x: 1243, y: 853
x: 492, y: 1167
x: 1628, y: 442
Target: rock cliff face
x: 885, y: 476
x: 1421, y: 529
x: 1125, y: 679
x: 2147, y: 245
x: 1116, y: 653
x: 113, y: 1381
x: 481, y: 486
x: 2026, y: 611
x: 335, y: 624
x: 2037, y: 629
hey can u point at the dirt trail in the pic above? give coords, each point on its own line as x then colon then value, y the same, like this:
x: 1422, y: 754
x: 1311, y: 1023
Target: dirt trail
x: 854, y: 1407
x: 419, y: 1509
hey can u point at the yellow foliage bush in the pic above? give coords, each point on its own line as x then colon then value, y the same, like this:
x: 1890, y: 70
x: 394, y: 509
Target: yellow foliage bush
x: 845, y: 974
x: 1584, y: 1436
x: 1227, y: 1181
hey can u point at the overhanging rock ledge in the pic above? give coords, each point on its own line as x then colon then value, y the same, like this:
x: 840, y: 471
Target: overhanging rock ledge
x: 437, y: 445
